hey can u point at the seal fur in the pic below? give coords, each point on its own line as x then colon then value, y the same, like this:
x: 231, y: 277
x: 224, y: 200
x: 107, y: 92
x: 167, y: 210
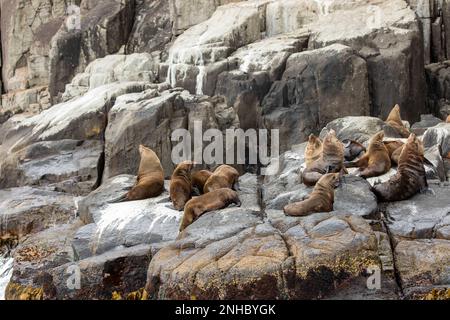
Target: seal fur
x: 150, y: 179
x: 320, y: 200
x: 180, y: 185
x: 213, y: 200
x: 410, y: 178
x: 224, y: 176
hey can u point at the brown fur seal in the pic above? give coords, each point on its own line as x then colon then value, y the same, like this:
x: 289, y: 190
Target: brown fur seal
x: 224, y: 176
x: 313, y: 150
x: 394, y: 120
x: 448, y: 119
x: 410, y: 178
x: 150, y: 180
x: 392, y: 146
x: 352, y: 149
x: 214, y: 200
x: 199, y: 179
x: 180, y: 185
x: 320, y: 200
x: 376, y: 161
x: 330, y: 161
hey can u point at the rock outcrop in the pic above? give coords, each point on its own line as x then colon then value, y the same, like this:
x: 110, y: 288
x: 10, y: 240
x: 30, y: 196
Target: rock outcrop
x: 87, y: 82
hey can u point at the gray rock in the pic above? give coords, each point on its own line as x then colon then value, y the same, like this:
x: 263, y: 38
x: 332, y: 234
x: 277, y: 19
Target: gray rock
x: 152, y: 30
x: 309, y: 95
x: 392, y: 48
x: 423, y: 262
x: 28, y: 210
x: 438, y: 135
x: 360, y: 129
x: 426, y: 121
x: 419, y: 217
x: 265, y: 260
x: 65, y: 165
x: 354, y: 196
x: 111, y: 190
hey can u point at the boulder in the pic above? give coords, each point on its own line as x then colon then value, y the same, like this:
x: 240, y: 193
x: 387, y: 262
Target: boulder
x: 104, y: 28
x: 310, y: 95
x: 423, y: 263
x: 438, y: 135
x: 146, y: 118
x: 389, y: 38
x: 64, y: 165
x: 152, y: 29
x: 186, y: 14
x: 50, y: 272
x: 420, y: 217
x: 234, y: 254
x: 126, y: 224
x: 28, y: 210
x: 140, y: 67
x: 426, y: 121
x: 360, y: 129
x: 81, y: 119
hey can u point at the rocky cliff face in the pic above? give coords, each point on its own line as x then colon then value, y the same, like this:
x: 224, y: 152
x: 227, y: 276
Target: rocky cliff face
x: 84, y: 83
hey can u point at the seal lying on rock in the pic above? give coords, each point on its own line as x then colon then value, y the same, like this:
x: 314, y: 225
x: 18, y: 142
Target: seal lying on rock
x: 224, y: 176
x: 180, y: 185
x: 214, y: 200
x: 330, y: 161
x: 150, y: 179
x: 199, y: 179
x: 320, y: 200
x: 313, y: 150
x: 395, y: 122
x: 352, y: 149
x: 411, y: 176
x: 376, y: 160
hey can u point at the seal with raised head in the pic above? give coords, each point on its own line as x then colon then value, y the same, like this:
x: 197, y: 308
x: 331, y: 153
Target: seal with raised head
x: 394, y: 121
x: 199, y: 179
x: 320, y: 200
x: 410, y: 178
x: 180, y: 185
x: 313, y: 149
x: 224, y: 176
x: 214, y: 200
x: 150, y: 179
x: 376, y: 160
x: 330, y: 161
x: 352, y: 149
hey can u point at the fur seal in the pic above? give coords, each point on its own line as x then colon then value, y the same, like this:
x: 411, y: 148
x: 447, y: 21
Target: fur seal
x: 199, y: 179
x: 448, y: 119
x: 320, y: 200
x: 392, y: 146
x: 394, y: 120
x: 180, y: 185
x: 330, y: 161
x: 313, y: 150
x: 150, y: 179
x: 224, y: 176
x: 411, y: 176
x: 214, y: 200
x: 352, y: 149
x: 376, y: 160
